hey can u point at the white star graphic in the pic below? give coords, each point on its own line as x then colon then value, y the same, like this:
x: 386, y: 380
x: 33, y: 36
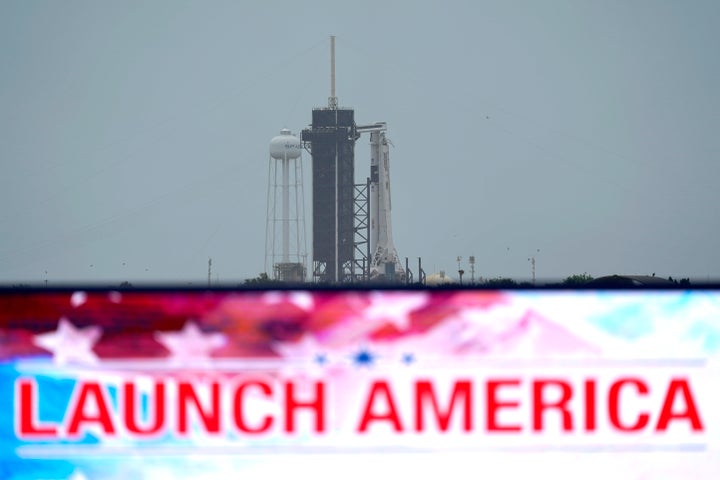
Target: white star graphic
x: 70, y: 344
x: 78, y: 298
x: 383, y: 309
x: 304, y: 357
x: 190, y: 345
x: 393, y: 308
x: 306, y: 347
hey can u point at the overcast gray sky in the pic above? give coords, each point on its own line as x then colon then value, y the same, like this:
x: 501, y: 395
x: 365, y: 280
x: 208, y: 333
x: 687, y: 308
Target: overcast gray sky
x: 134, y: 134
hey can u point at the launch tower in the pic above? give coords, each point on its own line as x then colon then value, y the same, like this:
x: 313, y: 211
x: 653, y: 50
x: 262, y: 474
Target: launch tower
x: 331, y: 142
x: 349, y: 245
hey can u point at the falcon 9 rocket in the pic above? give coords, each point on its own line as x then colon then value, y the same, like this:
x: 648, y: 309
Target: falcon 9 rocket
x: 384, y: 261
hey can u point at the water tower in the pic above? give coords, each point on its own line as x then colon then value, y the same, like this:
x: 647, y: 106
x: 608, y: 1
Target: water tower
x: 285, y: 249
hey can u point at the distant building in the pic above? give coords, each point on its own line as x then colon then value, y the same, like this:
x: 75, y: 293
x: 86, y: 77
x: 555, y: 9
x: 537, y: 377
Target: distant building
x: 438, y: 278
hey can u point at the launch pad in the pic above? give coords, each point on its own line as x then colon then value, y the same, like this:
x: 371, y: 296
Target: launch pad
x: 352, y: 233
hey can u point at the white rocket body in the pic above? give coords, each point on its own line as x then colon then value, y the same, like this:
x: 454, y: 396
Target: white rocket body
x: 384, y: 260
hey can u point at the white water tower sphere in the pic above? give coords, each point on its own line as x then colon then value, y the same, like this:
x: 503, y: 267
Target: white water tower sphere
x: 285, y: 146
x: 285, y: 225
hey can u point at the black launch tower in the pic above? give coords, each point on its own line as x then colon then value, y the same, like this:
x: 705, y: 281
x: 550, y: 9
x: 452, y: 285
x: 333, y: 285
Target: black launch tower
x: 331, y: 142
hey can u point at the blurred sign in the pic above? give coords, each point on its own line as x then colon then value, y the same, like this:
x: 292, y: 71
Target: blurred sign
x: 219, y: 384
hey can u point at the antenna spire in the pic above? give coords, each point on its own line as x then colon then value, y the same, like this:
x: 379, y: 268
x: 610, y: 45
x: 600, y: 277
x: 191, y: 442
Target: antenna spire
x: 332, y: 101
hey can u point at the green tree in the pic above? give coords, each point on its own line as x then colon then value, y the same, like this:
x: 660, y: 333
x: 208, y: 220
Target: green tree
x: 500, y: 282
x: 261, y: 279
x: 580, y: 279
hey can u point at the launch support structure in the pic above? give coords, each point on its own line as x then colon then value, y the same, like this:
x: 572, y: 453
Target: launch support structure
x: 384, y: 260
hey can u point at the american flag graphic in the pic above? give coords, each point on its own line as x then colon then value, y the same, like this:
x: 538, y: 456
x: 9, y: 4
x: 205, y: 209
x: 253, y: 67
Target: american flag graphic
x: 329, y: 383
